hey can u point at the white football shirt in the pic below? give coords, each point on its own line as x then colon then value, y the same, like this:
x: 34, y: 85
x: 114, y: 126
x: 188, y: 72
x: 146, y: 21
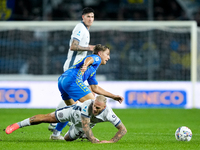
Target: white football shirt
x: 73, y: 113
x: 107, y: 115
x: 80, y: 33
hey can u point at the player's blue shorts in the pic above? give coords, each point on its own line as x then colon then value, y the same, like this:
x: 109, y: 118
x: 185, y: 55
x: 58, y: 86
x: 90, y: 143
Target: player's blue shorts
x: 72, y: 89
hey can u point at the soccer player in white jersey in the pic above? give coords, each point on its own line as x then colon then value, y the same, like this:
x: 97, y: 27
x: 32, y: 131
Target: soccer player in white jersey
x: 78, y: 48
x: 84, y: 116
x: 80, y: 39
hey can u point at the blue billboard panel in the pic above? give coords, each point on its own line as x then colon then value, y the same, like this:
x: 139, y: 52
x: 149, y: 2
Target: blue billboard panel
x: 155, y: 98
x: 14, y: 95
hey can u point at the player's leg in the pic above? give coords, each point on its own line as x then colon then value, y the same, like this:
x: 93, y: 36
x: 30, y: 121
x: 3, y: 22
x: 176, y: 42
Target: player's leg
x: 71, y: 91
x: 59, y: 126
x: 67, y: 137
x: 62, y: 115
x: 37, y: 119
x: 73, y: 133
x: 65, y: 87
x: 87, y: 97
x: 57, y: 131
x: 52, y: 126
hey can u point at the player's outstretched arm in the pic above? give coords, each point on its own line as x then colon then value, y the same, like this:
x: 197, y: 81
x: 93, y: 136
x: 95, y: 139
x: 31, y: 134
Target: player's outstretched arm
x: 121, y: 132
x: 87, y: 130
x: 97, y: 89
x: 76, y: 47
x: 92, y: 47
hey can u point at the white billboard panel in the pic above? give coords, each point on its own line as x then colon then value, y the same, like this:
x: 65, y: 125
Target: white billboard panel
x: 45, y: 94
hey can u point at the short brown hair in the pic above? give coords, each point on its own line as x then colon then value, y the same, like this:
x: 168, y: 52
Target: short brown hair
x: 87, y: 10
x: 100, y: 47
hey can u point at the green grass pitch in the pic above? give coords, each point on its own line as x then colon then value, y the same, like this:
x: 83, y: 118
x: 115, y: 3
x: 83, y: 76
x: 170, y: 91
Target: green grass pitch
x: 148, y: 129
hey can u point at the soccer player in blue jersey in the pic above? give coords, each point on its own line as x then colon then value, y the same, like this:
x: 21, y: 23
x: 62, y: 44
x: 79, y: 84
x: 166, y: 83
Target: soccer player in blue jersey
x: 78, y: 48
x: 71, y: 82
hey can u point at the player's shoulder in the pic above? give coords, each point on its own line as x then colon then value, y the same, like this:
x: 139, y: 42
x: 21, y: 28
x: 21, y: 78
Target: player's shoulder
x: 110, y: 113
x: 95, y: 57
x: 86, y: 107
x: 80, y: 25
x: 107, y: 113
x: 108, y: 108
x: 88, y: 102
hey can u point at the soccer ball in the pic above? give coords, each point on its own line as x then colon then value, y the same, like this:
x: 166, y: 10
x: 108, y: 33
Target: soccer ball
x: 183, y: 134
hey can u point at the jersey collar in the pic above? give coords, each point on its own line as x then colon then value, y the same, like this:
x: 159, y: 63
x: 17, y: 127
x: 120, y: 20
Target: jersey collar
x: 84, y: 24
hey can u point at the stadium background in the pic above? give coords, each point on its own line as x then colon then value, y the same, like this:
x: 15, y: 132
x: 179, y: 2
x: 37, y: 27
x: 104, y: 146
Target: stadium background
x: 153, y: 72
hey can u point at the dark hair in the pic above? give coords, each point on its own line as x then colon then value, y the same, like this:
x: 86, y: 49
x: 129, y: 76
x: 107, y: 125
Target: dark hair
x: 87, y: 10
x: 100, y: 47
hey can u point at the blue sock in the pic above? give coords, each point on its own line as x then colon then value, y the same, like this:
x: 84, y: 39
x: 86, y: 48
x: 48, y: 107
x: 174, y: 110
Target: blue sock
x: 61, y: 125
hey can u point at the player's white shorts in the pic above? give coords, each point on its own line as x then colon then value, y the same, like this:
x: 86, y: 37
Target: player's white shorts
x: 75, y: 132
x: 69, y: 113
x: 63, y: 114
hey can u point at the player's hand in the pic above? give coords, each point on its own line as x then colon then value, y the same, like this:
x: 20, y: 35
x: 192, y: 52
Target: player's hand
x: 91, y: 47
x: 104, y: 141
x: 118, y: 98
x: 83, y: 69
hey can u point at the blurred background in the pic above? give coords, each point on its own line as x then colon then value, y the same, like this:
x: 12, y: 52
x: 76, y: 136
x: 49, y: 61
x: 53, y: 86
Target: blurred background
x: 26, y: 54
x: 22, y: 10
x: 141, y: 52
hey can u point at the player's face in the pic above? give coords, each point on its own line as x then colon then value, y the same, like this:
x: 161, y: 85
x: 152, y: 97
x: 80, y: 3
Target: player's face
x: 105, y: 56
x: 88, y: 19
x: 97, y: 107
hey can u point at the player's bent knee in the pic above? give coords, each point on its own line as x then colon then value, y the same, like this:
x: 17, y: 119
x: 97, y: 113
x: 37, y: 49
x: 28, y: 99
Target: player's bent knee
x: 49, y: 118
x: 67, y: 137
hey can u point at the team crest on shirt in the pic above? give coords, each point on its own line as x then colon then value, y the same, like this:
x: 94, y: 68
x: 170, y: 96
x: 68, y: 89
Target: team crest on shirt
x: 85, y: 108
x: 113, y: 116
x: 60, y: 115
x: 97, y: 58
x: 79, y: 33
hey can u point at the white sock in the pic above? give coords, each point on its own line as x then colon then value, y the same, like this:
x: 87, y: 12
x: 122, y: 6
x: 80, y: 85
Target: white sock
x: 56, y: 132
x: 24, y: 123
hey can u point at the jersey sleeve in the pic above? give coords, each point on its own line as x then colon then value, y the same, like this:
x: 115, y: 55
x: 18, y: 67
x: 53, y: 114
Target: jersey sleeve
x: 85, y: 109
x: 113, y: 118
x: 78, y: 32
x: 97, y: 60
